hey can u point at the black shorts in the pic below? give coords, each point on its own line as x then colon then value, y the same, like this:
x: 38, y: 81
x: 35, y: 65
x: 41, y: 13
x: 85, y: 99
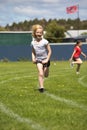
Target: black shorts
x: 47, y: 64
x: 75, y: 58
x: 44, y: 65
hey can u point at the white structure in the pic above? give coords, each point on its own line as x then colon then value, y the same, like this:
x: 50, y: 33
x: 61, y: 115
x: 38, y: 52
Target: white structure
x: 74, y: 33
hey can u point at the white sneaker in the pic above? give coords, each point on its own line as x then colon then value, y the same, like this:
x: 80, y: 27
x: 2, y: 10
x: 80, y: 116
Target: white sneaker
x: 77, y: 73
x: 71, y: 64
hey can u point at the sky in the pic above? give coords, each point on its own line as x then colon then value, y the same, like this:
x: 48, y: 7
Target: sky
x: 21, y: 10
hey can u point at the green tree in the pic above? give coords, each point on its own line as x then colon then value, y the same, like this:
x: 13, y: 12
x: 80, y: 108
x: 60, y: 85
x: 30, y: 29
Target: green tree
x: 84, y: 33
x: 54, y: 32
x: 2, y: 29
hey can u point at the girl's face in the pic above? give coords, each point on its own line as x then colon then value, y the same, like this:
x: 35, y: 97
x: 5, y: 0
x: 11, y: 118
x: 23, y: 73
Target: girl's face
x: 39, y: 33
x: 80, y: 44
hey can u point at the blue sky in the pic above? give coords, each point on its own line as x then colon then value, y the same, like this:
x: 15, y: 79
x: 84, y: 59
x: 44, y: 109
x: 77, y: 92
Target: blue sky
x: 20, y: 10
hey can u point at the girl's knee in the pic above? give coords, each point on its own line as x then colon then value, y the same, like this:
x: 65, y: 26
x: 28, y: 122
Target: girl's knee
x: 81, y: 62
x: 41, y: 74
x: 46, y: 75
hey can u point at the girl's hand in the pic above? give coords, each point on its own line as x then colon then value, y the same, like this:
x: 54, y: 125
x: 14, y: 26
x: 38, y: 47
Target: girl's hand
x: 70, y: 59
x: 34, y: 61
x: 45, y: 61
x: 85, y: 56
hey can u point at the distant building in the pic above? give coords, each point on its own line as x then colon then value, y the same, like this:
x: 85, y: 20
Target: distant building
x: 74, y: 35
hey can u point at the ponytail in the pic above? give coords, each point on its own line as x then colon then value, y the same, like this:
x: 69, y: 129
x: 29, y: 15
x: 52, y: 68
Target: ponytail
x: 77, y: 43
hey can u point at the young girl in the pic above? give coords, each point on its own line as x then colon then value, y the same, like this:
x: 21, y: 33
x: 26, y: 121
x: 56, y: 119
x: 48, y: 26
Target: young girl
x: 41, y: 53
x: 75, y: 58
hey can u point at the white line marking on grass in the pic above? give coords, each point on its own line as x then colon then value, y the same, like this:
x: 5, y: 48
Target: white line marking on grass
x: 18, y: 72
x: 81, y: 82
x: 9, y: 73
x: 15, y: 78
x: 31, y: 76
x: 68, y: 102
x: 17, y: 117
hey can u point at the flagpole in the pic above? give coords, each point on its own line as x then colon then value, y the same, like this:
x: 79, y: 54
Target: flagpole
x: 78, y: 19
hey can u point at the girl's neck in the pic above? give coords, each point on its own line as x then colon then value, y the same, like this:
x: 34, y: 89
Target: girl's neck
x: 38, y: 40
x: 78, y: 46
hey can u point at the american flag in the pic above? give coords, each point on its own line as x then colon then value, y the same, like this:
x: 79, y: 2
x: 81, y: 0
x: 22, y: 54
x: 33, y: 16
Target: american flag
x: 72, y: 9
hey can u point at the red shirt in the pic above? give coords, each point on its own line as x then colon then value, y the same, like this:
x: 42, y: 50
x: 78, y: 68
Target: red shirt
x: 77, y: 50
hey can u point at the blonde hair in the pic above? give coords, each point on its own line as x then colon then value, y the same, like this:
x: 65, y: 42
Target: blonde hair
x: 34, y: 29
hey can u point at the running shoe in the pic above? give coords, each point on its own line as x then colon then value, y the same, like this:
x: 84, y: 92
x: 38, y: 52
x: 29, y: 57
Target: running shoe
x: 71, y: 64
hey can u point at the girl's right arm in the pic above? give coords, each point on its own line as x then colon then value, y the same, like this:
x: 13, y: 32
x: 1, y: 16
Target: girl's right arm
x: 33, y: 56
x: 72, y: 55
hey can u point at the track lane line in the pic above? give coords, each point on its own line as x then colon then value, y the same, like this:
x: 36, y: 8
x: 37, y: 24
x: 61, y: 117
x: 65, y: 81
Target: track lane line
x: 66, y: 101
x: 17, y: 117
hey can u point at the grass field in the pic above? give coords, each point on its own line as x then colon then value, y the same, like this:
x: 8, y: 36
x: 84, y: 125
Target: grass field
x: 63, y: 106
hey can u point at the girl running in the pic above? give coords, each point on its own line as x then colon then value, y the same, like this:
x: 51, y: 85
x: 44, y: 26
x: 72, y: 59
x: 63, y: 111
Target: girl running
x: 41, y: 53
x: 75, y: 58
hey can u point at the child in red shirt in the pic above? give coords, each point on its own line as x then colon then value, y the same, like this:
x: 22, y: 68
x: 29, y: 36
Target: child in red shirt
x: 75, y: 58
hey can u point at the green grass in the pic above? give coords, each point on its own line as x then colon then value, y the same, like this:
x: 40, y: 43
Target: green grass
x: 63, y: 106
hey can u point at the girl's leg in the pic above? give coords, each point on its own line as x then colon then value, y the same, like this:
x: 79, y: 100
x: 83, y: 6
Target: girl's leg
x: 46, y: 71
x: 78, y: 68
x: 78, y: 62
x: 40, y: 75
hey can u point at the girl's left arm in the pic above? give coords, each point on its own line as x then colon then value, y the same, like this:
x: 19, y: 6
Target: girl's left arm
x: 83, y: 54
x: 49, y: 52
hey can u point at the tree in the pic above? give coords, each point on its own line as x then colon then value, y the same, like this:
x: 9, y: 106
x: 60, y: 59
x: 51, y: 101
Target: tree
x: 54, y: 33
x: 84, y: 33
x: 2, y: 29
